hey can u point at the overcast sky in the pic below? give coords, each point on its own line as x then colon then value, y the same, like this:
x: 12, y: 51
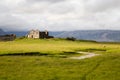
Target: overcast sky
x: 58, y: 15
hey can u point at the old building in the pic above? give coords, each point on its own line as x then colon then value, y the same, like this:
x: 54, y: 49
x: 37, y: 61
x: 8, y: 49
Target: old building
x: 8, y: 37
x: 38, y: 34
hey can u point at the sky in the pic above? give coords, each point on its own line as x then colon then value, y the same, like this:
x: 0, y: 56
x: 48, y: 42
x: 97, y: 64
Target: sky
x: 59, y: 15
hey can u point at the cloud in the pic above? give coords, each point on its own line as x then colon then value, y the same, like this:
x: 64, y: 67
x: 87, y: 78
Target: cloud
x: 59, y: 14
x: 51, y: 1
x: 10, y: 22
x: 102, y: 5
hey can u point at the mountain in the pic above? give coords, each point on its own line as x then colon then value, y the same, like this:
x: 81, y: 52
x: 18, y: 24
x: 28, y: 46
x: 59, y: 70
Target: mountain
x: 2, y: 32
x: 96, y: 35
x: 18, y: 33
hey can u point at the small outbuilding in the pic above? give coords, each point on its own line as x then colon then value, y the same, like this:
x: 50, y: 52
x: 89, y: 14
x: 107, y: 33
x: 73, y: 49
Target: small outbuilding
x: 7, y: 37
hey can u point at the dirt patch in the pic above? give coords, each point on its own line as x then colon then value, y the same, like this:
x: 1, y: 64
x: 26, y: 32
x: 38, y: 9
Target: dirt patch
x: 86, y: 55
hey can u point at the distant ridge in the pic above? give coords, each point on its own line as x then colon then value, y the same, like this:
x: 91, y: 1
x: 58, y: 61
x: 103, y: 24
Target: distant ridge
x: 18, y: 33
x: 2, y: 32
x: 96, y: 35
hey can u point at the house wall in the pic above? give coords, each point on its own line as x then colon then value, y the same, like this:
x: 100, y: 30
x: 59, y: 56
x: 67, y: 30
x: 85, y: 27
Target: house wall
x: 44, y: 35
x: 34, y: 34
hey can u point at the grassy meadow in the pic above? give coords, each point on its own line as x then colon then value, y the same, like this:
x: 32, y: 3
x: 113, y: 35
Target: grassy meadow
x: 48, y: 59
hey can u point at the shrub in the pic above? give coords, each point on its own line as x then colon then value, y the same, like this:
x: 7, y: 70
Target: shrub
x: 71, y: 38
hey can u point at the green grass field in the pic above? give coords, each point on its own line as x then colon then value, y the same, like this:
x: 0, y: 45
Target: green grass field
x: 51, y: 60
